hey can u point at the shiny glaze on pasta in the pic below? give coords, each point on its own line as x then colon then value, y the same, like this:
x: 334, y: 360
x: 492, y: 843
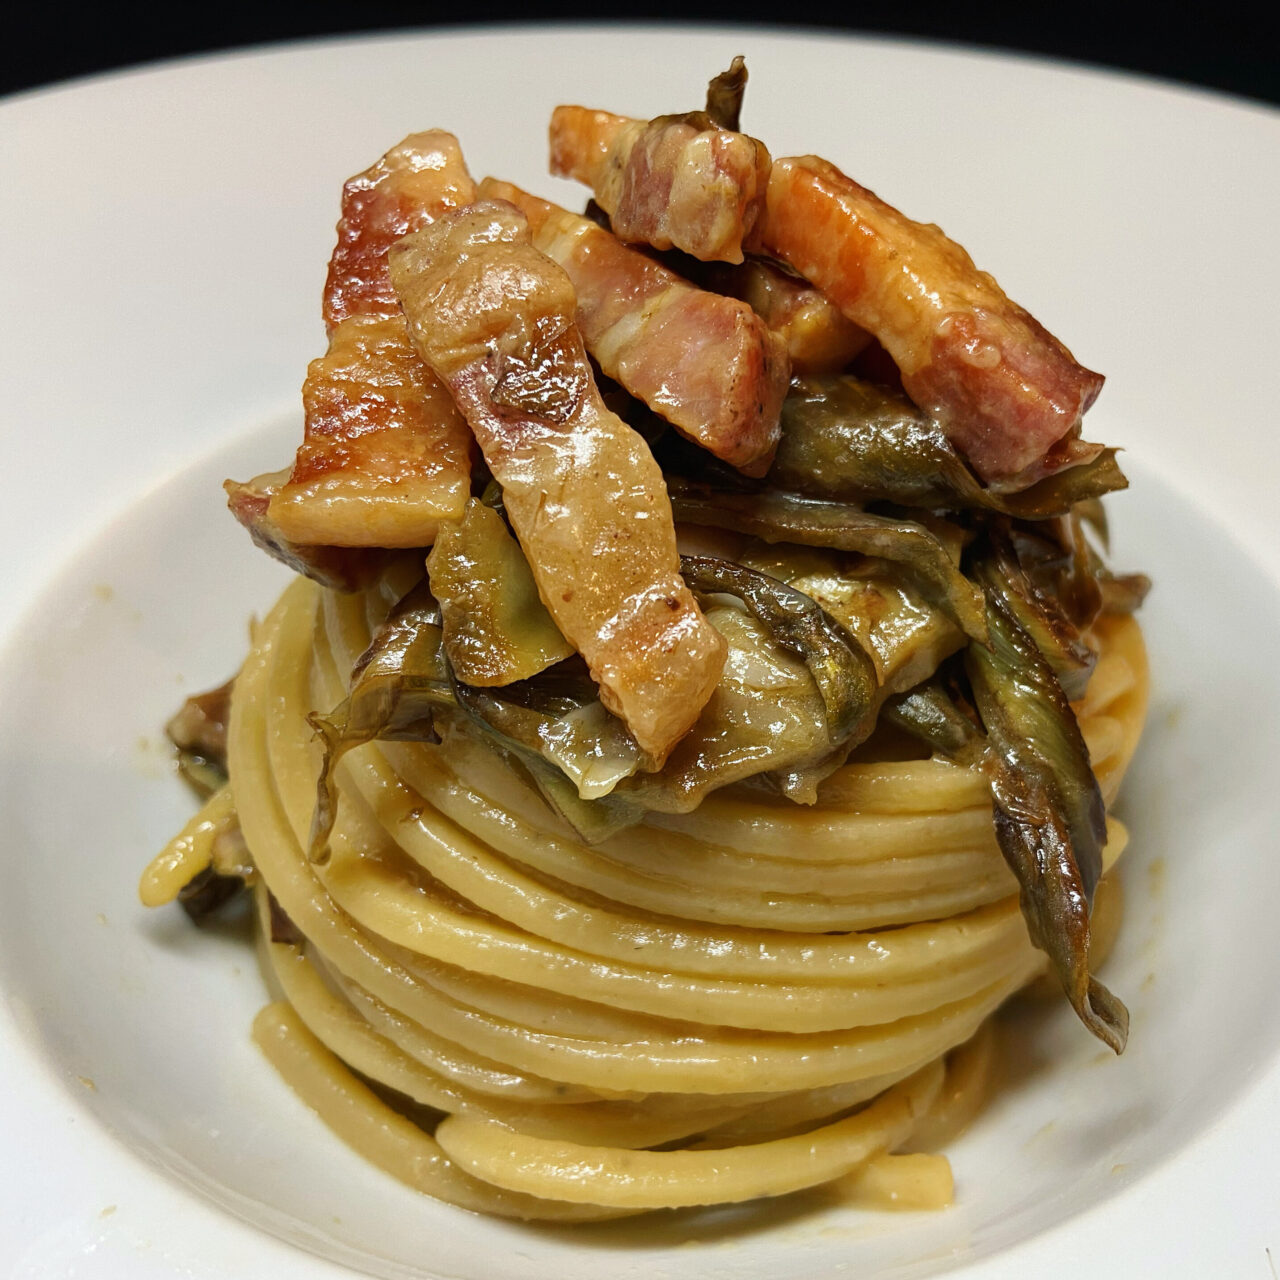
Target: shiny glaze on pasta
x: 535, y: 1012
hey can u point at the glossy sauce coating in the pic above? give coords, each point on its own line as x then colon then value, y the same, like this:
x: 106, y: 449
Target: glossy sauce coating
x: 403, y: 191
x: 819, y: 337
x: 386, y: 456
x: 341, y: 568
x: 494, y: 319
x: 665, y: 182
x: 1005, y: 390
x: 705, y: 363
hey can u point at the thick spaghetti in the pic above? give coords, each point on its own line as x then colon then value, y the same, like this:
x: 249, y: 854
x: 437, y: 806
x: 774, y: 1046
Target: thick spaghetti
x: 596, y: 878
x: 562, y: 1009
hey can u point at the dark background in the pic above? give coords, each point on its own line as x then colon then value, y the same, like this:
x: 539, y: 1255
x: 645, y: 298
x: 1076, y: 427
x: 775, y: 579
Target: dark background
x: 1224, y: 46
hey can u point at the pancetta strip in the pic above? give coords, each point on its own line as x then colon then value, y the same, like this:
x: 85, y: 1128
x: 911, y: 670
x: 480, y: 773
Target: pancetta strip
x: 493, y: 317
x: 705, y: 363
x: 340, y: 568
x: 819, y: 337
x: 386, y: 456
x: 405, y: 190
x: 674, y: 182
x: 1004, y: 389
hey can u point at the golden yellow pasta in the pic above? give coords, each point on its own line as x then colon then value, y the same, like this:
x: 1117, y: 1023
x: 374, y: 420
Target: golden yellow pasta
x: 670, y: 836
x: 465, y: 949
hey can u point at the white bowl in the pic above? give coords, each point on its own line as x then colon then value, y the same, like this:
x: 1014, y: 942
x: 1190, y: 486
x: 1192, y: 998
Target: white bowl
x: 166, y: 306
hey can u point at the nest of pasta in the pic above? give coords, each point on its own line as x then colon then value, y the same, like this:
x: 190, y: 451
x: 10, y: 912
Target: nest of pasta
x: 670, y: 832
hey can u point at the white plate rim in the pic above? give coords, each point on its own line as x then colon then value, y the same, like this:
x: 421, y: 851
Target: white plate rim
x: 1149, y: 1218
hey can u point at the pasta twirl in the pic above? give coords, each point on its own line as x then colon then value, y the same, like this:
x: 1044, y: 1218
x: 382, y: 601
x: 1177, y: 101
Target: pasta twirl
x: 624, y: 1052
x: 536, y: 960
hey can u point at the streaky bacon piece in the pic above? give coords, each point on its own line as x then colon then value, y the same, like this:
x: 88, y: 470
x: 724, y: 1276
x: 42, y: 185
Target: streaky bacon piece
x: 493, y: 317
x: 819, y: 337
x: 341, y: 568
x: 1004, y: 389
x: 705, y: 363
x: 408, y: 187
x: 675, y: 182
x: 386, y: 457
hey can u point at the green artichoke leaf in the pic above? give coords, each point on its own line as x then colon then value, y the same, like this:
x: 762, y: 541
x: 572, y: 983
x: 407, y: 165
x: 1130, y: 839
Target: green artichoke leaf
x: 496, y: 629
x: 766, y: 716
x: 844, y: 438
x: 842, y: 670
x: 579, y: 787
x: 1061, y: 564
x: 564, y: 724
x: 1040, y: 613
x: 1050, y: 821
x: 397, y: 686
x: 906, y: 636
x: 777, y: 516
x: 930, y: 714
x: 724, y: 95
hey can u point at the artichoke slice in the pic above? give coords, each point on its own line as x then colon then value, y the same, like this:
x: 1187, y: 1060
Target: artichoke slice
x: 906, y: 636
x: 776, y: 516
x: 577, y: 784
x: 496, y: 629
x: 930, y: 714
x: 724, y: 95
x: 843, y: 672
x: 397, y: 686
x: 563, y: 722
x: 1061, y: 564
x: 1041, y: 613
x: 765, y: 719
x: 1050, y: 821
x: 848, y: 439
x: 1049, y: 817
x: 796, y: 689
